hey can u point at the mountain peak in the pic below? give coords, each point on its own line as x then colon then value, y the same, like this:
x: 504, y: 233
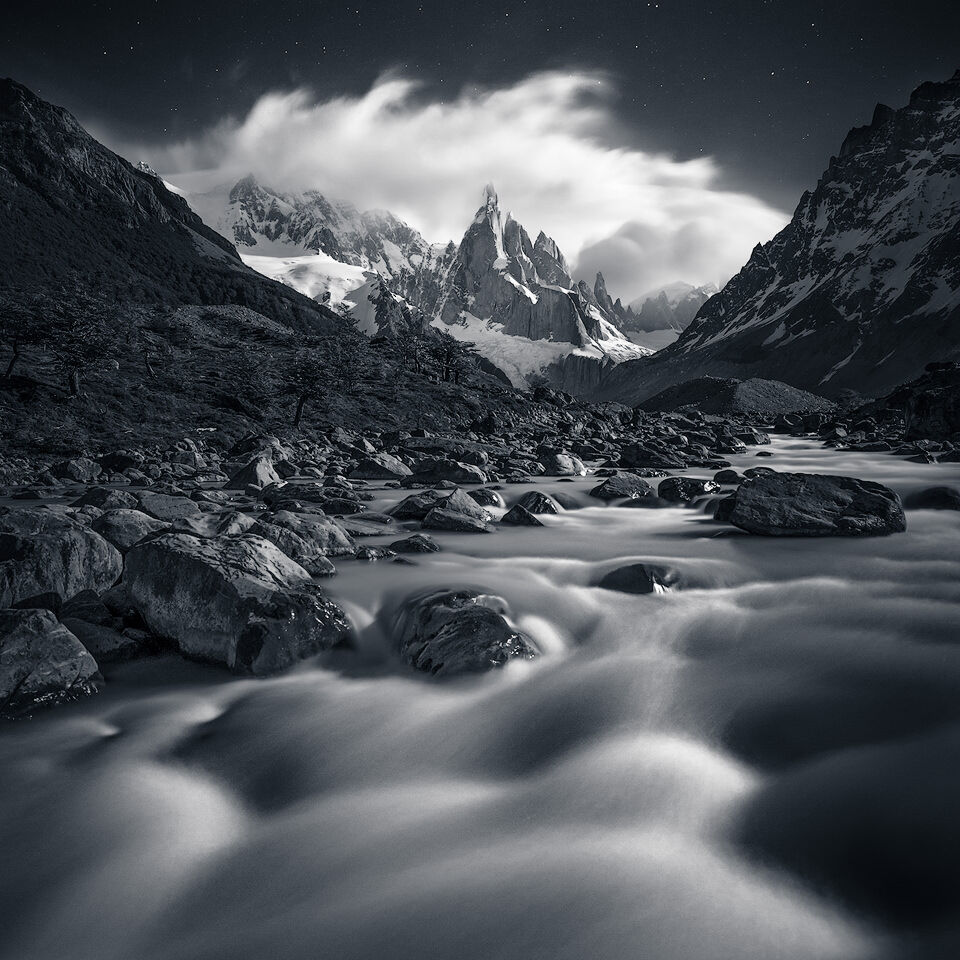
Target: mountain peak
x: 490, y: 195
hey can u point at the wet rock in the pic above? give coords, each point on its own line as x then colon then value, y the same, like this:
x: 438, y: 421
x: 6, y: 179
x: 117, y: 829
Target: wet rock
x: 487, y: 498
x: 816, y: 505
x: 164, y: 506
x: 370, y: 553
x: 230, y: 523
x: 306, y: 538
x: 645, y: 455
x: 239, y: 601
x: 108, y: 645
x: 725, y: 509
x: 123, y: 528
x: 41, y: 663
x: 45, y: 552
x: 418, y: 543
x: 380, y: 466
x: 934, y: 498
x: 534, y: 501
x: 727, y: 477
x: 435, y: 469
x: 685, y: 489
x: 519, y: 515
x: 622, y: 485
x: 80, y: 470
x: 640, y: 578
x: 440, y: 518
x: 450, y: 632
x: 416, y: 506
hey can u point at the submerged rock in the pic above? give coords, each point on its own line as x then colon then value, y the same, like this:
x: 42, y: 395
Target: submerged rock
x: 816, y: 505
x: 640, y: 578
x: 239, y: 601
x: 41, y: 662
x: 622, y: 485
x: 935, y: 498
x: 685, y: 489
x: 535, y: 501
x: 451, y: 632
x: 521, y: 516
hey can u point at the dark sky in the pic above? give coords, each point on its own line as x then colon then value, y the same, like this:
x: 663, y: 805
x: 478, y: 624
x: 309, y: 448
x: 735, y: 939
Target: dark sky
x: 769, y: 87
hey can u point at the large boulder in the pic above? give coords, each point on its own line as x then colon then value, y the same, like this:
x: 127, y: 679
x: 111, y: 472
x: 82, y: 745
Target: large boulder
x: 622, y: 485
x: 448, y: 632
x: 46, y: 552
x: 239, y: 601
x: 816, y: 505
x: 258, y: 473
x: 435, y: 469
x: 685, y: 489
x: 562, y: 465
x: 380, y: 466
x: 41, y: 662
x: 123, y: 528
x: 106, y: 499
x: 80, y: 470
x: 308, y: 538
x: 166, y: 506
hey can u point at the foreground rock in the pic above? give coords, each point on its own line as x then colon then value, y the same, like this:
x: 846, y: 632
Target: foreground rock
x: 46, y: 552
x: 458, y: 631
x: 239, y: 601
x: 816, y: 505
x: 41, y: 662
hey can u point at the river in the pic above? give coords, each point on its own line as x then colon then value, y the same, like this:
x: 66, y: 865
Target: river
x: 763, y: 764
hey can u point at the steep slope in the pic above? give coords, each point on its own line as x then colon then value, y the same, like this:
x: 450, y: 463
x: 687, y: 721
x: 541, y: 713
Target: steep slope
x: 74, y: 213
x: 515, y: 299
x: 861, y: 289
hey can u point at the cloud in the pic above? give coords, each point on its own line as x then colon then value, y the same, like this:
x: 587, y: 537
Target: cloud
x: 550, y: 142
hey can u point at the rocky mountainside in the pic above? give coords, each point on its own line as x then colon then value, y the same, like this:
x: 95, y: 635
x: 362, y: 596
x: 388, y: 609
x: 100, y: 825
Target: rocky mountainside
x: 670, y: 308
x: 72, y: 213
x: 516, y: 300
x: 861, y: 289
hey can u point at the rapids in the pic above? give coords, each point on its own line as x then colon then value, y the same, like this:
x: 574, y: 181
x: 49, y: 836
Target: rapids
x: 762, y: 765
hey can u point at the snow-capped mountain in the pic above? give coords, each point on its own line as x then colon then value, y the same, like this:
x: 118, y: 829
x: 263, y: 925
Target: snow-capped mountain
x: 672, y: 307
x: 267, y: 222
x: 862, y: 288
x: 515, y: 299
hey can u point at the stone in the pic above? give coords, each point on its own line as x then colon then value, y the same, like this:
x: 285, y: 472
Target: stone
x: 307, y: 538
x: 238, y: 601
x: 46, y: 552
x: 416, y: 506
x: 80, y: 470
x: 934, y: 498
x: 123, y: 528
x: 164, y: 506
x: 230, y: 523
x: 106, y: 499
x: 816, y: 505
x: 380, y: 466
x: 441, y: 519
x: 418, y: 543
x: 434, y: 469
x: 258, y: 473
x: 487, y: 498
x: 639, y: 578
x: 520, y: 516
x: 562, y: 465
x: 534, y: 501
x: 41, y: 663
x: 622, y: 485
x: 449, y: 632
x: 643, y: 455
x: 685, y: 489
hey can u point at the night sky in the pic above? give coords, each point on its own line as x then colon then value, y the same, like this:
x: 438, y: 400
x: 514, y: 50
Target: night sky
x: 768, y: 87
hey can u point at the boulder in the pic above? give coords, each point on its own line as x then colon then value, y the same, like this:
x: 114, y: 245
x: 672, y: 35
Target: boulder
x: 416, y: 506
x: 434, y: 469
x: 41, y: 662
x: 487, y: 498
x: 441, y: 519
x: 536, y: 502
x: 46, y: 552
x: 239, y: 601
x: 639, y: 578
x: 106, y: 499
x: 520, y: 516
x: 230, y: 523
x: 380, y: 466
x: 305, y: 537
x: 562, y: 465
x: 685, y: 489
x: 164, y: 506
x: 418, y: 543
x: 622, y: 485
x: 80, y: 470
x: 123, y: 528
x: 258, y: 473
x: 450, y: 632
x: 816, y: 505
x: 645, y: 455
x: 934, y: 498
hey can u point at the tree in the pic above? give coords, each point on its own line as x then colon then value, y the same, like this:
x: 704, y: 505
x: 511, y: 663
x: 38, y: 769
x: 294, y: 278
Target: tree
x: 322, y: 368
x: 22, y: 324
x: 453, y: 357
x: 84, y: 336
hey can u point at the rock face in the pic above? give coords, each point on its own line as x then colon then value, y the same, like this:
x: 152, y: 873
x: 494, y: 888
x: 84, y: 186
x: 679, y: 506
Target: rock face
x: 45, y: 552
x: 41, y: 662
x: 815, y: 505
x: 458, y: 631
x: 860, y: 290
x: 233, y: 600
x: 670, y: 308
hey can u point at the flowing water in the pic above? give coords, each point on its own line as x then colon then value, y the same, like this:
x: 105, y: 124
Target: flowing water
x: 761, y: 765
